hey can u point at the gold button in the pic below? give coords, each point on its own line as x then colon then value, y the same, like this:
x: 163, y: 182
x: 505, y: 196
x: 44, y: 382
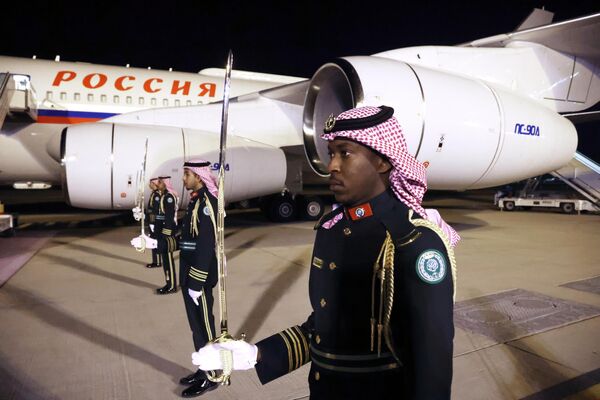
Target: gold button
x: 323, y: 303
x: 332, y: 266
x: 347, y: 231
x: 318, y: 339
x: 317, y: 376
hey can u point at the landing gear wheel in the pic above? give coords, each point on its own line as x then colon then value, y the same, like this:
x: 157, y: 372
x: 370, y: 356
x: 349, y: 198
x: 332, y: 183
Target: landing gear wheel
x: 282, y: 209
x: 311, y: 208
x: 567, y: 208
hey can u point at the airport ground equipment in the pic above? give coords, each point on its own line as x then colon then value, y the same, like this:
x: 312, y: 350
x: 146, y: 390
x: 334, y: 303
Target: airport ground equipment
x: 7, y: 225
x: 567, y: 205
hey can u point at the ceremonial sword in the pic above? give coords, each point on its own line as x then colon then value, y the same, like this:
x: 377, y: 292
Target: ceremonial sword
x: 226, y: 356
x: 141, y: 187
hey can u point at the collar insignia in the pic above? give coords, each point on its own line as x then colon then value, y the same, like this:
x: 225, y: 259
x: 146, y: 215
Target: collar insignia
x: 360, y: 212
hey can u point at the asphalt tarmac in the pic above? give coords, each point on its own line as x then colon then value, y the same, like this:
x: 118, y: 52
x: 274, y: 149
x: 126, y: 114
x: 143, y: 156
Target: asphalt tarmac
x: 79, y: 317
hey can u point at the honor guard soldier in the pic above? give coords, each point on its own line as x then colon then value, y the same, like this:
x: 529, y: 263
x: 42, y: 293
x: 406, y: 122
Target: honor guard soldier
x: 197, y: 263
x: 153, y: 205
x: 164, y: 232
x: 381, y: 282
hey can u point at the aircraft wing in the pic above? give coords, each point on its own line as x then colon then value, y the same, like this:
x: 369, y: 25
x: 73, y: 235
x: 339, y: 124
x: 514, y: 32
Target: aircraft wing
x: 578, y: 37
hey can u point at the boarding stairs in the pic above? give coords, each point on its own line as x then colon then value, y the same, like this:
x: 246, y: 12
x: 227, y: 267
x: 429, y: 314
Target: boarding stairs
x: 583, y: 175
x: 17, y: 98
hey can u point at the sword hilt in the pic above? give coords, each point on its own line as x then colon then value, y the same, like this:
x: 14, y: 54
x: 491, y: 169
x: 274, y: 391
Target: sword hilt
x: 224, y: 376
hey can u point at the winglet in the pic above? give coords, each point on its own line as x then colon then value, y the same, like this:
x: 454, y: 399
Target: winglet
x: 538, y: 17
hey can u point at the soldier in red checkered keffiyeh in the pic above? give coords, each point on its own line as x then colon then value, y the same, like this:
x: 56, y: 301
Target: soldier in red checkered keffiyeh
x: 408, y: 177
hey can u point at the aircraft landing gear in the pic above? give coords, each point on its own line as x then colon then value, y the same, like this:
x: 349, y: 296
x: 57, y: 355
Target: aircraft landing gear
x: 285, y: 208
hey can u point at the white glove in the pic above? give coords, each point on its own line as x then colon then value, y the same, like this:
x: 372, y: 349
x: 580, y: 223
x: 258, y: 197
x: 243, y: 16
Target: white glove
x: 150, y: 243
x: 137, y: 213
x: 210, y: 357
x: 195, y: 295
x: 151, y: 227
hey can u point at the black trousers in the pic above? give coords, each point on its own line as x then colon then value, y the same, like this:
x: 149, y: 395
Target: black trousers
x: 200, y: 317
x: 168, y: 264
x: 155, y: 257
x: 325, y: 385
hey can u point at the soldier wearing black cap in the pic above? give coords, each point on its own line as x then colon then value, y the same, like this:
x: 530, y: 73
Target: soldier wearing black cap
x: 381, y: 282
x: 152, y: 209
x: 164, y: 231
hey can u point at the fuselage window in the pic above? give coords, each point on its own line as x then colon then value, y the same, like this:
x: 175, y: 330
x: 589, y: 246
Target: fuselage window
x: 90, y: 98
x: 77, y: 96
x: 165, y: 102
x: 177, y: 103
x: 128, y: 100
x: 48, y: 94
x: 116, y: 99
x: 103, y: 98
x: 153, y: 101
x: 63, y: 95
x: 141, y: 100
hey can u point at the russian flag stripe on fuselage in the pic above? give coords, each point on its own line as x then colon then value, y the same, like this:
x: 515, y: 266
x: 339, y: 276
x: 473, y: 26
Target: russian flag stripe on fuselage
x: 70, y: 117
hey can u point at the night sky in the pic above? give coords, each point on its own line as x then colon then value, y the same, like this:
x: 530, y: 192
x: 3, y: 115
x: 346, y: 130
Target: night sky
x: 284, y: 37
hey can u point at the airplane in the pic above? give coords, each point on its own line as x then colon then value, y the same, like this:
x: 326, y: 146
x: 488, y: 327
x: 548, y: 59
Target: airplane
x: 40, y: 98
x: 480, y: 114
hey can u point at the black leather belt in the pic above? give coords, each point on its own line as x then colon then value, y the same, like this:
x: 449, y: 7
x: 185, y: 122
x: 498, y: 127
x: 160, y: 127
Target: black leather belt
x: 353, y: 363
x: 189, y: 246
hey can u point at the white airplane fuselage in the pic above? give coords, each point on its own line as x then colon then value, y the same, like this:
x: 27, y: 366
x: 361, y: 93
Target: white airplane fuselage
x: 73, y: 92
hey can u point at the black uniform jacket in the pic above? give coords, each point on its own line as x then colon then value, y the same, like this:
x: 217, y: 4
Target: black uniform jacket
x: 337, y: 335
x: 152, y: 209
x: 165, y: 223
x: 196, y: 240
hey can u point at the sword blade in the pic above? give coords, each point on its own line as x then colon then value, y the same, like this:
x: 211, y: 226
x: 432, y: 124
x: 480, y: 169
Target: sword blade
x: 220, y: 239
x: 142, y: 188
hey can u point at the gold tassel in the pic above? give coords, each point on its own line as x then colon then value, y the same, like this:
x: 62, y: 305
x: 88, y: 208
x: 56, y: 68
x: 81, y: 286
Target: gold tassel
x: 194, y: 224
x: 375, y: 276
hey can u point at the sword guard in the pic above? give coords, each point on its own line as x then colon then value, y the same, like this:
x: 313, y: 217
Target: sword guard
x: 142, y: 248
x: 226, y: 360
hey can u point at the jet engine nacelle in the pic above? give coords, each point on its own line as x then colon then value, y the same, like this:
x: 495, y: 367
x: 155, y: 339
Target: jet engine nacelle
x: 468, y: 133
x: 101, y: 163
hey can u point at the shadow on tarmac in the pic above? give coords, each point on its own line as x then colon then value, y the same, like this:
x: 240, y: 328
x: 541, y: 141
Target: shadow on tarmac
x: 271, y: 296
x: 62, y: 320
x: 78, y: 265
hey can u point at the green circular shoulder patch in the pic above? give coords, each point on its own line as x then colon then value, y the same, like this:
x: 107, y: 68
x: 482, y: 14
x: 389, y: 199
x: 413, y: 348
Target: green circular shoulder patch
x: 431, y: 266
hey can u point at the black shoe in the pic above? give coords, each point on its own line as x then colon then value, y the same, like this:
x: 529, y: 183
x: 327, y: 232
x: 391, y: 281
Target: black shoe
x: 191, y: 379
x: 153, y: 265
x: 166, y: 290
x: 199, y: 388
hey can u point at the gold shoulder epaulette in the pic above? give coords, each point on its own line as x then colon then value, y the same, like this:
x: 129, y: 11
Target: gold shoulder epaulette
x: 449, y: 249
